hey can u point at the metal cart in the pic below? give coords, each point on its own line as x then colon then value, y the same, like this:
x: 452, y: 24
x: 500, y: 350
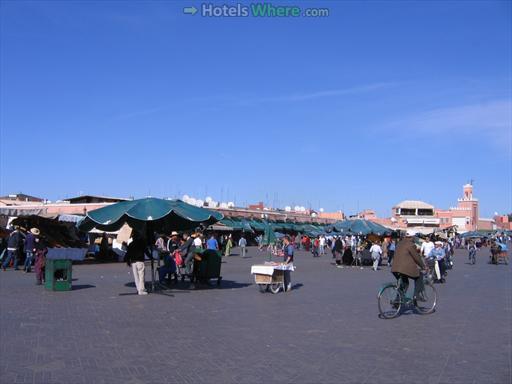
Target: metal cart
x: 270, y: 276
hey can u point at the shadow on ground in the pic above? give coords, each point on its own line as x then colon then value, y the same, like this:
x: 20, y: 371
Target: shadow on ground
x: 82, y: 286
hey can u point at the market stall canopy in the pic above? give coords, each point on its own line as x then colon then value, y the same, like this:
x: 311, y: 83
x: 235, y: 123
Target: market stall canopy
x: 10, y: 211
x: 361, y: 227
x: 55, y: 233
x: 269, y: 237
x: 149, y: 213
x: 474, y: 234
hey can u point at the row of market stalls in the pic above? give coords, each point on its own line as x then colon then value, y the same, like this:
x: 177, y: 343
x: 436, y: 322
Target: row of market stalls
x: 356, y: 227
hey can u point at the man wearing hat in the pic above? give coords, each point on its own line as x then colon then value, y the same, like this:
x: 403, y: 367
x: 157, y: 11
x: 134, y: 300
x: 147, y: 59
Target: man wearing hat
x: 173, y: 242
x: 166, y: 271
x: 30, y: 247
x: 439, y: 254
x: 13, y: 245
x: 407, y: 263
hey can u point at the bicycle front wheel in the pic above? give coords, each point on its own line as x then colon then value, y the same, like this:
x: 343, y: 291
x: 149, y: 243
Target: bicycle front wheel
x: 390, y: 302
x: 426, y: 304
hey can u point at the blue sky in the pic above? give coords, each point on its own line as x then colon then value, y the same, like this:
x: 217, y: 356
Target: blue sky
x: 377, y: 103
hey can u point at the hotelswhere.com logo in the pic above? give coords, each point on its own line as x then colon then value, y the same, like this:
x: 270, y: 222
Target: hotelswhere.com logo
x: 254, y: 10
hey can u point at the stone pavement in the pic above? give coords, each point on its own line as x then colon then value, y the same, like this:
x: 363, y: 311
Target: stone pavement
x: 326, y: 330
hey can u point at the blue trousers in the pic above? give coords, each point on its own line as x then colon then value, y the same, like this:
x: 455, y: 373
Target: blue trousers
x: 10, y: 255
x: 28, y: 261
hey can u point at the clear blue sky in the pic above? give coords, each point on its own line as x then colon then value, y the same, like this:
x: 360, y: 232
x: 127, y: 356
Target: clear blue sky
x: 379, y: 102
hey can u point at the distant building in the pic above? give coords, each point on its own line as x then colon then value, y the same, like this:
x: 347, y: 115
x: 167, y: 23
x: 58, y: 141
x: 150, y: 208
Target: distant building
x: 503, y: 222
x: 92, y: 199
x: 257, y: 207
x: 331, y: 215
x: 415, y: 213
x: 465, y: 216
x: 20, y: 198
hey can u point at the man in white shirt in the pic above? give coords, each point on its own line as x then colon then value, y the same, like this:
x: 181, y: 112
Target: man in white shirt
x: 322, y: 245
x: 198, y: 242
x: 376, y: 252
x: 426, y: 248
x: 242, y: 243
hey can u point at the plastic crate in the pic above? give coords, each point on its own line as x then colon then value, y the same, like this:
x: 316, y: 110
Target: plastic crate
x: 58, y: 275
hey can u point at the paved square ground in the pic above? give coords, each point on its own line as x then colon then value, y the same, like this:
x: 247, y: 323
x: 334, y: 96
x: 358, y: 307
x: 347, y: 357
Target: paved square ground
x: 326, y: 330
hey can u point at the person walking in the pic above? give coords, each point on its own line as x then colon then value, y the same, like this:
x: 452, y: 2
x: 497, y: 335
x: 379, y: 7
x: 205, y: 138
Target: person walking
x: 472, y: 252
x: 135, y: 254
x: 322, y: 245
x: 30, y: 248
x: 14, y: 244
x: 438, y: 254
x: 391, y: 251
x: 40, y: 252
x: 288, y: 259
x: 426, y: 247
x: 376, y: 252
x: 385, y: 247
x: 242, y: 243
x: 229, y: 245
x: 338, y: 251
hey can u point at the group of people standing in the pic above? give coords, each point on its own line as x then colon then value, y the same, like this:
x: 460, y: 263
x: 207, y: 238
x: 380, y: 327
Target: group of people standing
x: 177, y: 252
x: 27, y: 248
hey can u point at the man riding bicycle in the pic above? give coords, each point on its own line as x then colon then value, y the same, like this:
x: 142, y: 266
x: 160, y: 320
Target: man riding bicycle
x: 407, y: 263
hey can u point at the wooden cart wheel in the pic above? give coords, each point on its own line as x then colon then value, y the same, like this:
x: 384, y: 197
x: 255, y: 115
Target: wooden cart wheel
x: 275, y: 287
x: 263, y: 287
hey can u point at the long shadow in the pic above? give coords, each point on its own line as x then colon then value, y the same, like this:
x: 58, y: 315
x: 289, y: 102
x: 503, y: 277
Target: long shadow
x: 407, y: 312
x: 81, y: 286
x: 297, y: 286
x: 186, y: 286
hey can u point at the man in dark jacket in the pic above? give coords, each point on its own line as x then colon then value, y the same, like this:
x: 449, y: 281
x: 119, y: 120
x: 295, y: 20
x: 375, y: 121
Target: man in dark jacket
x: 13, y: 248
x: 407, y: 263
x: 135, y: 254
x: 187, y: 250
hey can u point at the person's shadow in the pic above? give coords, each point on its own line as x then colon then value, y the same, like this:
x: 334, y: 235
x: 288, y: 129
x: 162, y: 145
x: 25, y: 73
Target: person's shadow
x: 81, y: 286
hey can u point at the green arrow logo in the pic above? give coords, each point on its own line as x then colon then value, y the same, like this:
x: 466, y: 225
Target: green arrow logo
x: 190, y: 10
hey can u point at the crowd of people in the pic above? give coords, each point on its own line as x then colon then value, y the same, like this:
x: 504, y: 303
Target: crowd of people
x: 179, y: 251
x: 27, y: 248
x: 178, y: 254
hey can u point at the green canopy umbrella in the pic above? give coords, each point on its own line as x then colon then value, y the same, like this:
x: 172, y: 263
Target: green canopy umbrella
x: 148, y: 216
x: 361, y: 227
x: 269, y: 237
x: 472, y: 234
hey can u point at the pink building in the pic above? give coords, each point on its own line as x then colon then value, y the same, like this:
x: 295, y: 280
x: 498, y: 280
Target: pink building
x: 465, y: 216
x: 421, y: 215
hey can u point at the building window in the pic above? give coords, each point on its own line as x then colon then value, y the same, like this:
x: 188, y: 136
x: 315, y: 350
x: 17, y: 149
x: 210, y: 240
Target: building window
x: 408, y: 212
x: 425, y: 212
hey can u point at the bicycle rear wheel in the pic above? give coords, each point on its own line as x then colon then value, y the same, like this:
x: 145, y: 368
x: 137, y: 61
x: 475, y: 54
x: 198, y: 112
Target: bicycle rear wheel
x: 390, y: 301
x: 427, y: 303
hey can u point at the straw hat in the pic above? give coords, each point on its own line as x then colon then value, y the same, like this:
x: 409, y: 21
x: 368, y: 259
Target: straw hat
x: 35, y: 231
x: 174, y: 233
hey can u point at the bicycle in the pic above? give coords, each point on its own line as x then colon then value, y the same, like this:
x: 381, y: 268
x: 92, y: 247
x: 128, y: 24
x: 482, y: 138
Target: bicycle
x: 391, y: 299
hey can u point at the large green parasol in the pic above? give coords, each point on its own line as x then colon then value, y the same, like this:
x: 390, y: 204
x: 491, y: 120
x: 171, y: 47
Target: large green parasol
x: 149, y: 214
